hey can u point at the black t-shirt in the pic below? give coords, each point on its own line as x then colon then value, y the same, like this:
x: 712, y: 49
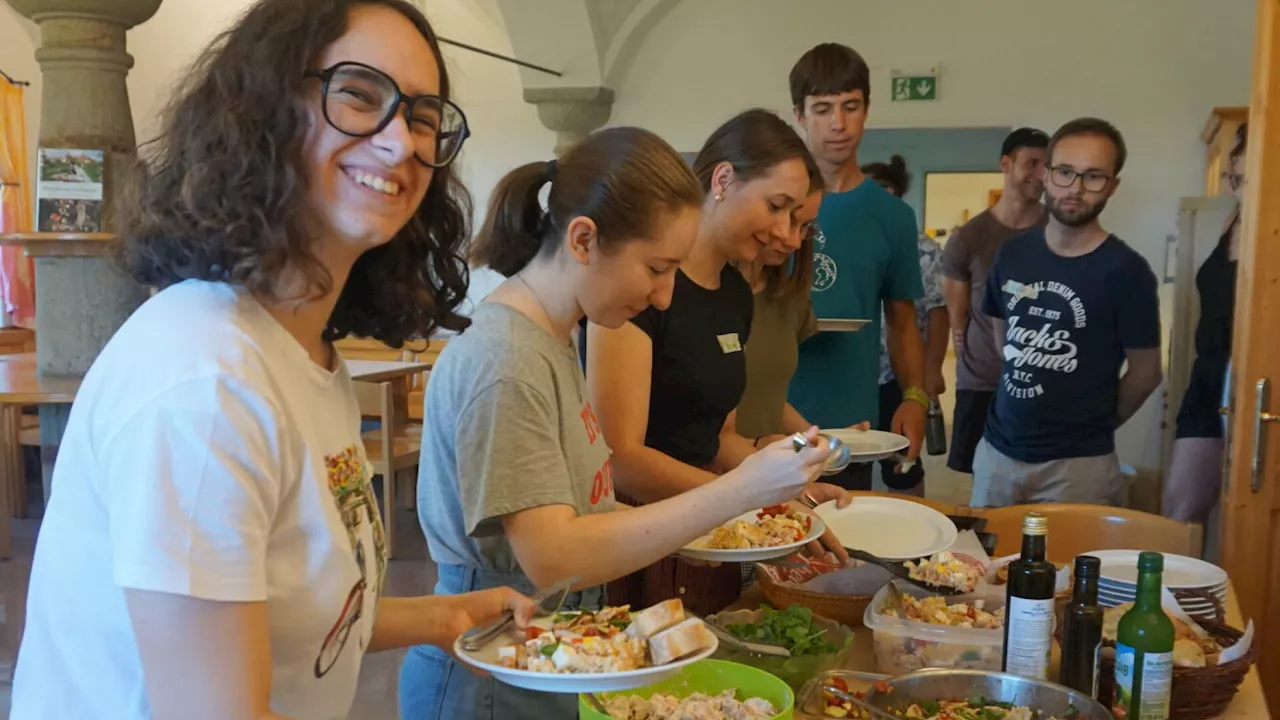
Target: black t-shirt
x: 699, y: 370
x: 1069, y: 321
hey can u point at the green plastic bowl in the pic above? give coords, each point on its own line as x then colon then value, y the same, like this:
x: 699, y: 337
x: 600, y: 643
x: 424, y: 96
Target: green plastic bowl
x: 711, y: 677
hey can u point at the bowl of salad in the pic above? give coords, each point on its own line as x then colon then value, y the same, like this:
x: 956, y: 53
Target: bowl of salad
x: 816, y: 644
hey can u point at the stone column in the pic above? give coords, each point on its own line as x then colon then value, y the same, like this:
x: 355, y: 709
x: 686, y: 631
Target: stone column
x: 81, y: 301
x: 572, y: 112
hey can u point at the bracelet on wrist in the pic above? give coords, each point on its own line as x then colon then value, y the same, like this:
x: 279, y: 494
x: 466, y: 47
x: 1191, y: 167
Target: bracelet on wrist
x: 917, y: 395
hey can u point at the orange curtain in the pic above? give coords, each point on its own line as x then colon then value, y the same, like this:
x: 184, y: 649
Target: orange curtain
x: 17, y: 275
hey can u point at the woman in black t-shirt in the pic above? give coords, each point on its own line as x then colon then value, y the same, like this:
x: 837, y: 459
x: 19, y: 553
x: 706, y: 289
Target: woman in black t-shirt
x: 665, y: 385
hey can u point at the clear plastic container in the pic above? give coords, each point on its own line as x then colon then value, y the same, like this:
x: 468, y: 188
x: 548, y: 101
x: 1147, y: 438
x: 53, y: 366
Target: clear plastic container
x: 902, y: 646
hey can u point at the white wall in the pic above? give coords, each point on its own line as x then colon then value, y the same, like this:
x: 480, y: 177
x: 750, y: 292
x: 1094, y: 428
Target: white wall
x: 505, y: 130
x: 948, y: 196
x: 1154, y: 68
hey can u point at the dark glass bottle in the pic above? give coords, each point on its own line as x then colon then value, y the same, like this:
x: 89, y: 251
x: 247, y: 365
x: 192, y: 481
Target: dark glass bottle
x: 935, y: 430
x: 1028, y: 620
x: 1082, y: 630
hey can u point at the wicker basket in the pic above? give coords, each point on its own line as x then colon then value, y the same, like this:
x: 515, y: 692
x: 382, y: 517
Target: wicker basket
x: 1198, y: 693
x: 845, y: 609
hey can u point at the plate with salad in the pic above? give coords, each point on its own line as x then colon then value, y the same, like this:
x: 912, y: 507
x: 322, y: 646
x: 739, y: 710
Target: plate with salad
x: 772, y: 532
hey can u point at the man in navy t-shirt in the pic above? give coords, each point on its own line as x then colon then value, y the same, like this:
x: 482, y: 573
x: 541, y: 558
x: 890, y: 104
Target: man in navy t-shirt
x: 1071, y: 304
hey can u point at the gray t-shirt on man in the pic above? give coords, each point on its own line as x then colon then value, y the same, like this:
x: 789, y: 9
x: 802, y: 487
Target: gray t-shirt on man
x: 967, y: 257
x: 507, y: 427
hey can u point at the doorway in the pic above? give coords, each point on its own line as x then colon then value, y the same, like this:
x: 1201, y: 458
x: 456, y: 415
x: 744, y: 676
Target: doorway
x: 950, y: 199
x: 931, y: 151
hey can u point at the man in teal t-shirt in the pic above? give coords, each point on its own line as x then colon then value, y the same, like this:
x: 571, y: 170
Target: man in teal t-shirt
x: 865, y: 255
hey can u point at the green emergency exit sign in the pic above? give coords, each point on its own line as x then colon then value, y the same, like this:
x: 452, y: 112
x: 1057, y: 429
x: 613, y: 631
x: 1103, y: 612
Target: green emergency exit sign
x: 915, y: 87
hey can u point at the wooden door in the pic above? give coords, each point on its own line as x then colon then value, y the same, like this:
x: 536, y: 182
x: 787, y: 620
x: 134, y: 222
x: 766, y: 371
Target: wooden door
x: 1251, y: 501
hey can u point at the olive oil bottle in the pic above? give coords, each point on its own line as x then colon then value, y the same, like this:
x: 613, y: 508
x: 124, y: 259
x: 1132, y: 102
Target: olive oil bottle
x: 1144, y: 649
x: 1028, y: 624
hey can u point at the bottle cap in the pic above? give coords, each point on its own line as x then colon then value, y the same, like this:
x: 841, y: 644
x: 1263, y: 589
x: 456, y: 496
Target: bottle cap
x: 1088, y: 566
x: 1151, y: 561
x: 1035, y: 524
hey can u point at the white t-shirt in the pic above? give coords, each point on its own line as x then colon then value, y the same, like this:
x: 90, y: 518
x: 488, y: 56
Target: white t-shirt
x: 205, y: 456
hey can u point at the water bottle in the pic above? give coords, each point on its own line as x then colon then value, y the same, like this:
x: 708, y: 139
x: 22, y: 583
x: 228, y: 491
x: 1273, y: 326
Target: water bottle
x: 935, y: 430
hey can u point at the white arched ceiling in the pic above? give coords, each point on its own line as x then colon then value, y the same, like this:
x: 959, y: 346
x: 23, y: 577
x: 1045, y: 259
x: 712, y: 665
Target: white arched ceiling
x: 591, y: 42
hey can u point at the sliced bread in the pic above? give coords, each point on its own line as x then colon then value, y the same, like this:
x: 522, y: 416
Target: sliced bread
x: 653, y: 620
x: 684, y: 638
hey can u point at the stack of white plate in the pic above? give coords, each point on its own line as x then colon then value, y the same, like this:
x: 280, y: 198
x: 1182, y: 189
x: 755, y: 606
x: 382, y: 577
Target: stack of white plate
x: 1118, y: 583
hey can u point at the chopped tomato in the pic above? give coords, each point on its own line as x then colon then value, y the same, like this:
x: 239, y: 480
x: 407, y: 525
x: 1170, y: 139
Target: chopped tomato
x: 839, y: 683
x: 882, y: 686
x: 590, y: 632
x: 531, y: 633
x: 773, y: 510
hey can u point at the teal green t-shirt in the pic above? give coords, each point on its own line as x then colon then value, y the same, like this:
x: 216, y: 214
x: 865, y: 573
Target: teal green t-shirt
x: 864, y: 253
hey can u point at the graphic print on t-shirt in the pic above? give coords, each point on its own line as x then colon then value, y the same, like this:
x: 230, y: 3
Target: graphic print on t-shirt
x: 1038, y: 335
x: 349, y: 483
x: 824, y: 268
x: 602, y: 483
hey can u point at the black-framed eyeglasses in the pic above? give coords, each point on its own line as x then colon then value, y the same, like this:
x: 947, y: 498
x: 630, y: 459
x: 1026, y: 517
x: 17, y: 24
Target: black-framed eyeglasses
x: 1234, y: 179
x: 360, y: 101
x: 1091, y: 181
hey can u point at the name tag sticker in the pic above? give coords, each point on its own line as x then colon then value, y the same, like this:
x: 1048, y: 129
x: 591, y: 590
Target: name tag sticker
x: 729, y: 343
x: 1020, y: 291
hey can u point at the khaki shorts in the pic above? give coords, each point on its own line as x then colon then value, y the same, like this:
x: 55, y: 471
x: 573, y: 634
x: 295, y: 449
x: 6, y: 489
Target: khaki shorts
x: 1000, y: 481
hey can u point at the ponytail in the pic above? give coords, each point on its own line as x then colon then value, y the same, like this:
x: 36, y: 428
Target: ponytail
x: 624, y: 179
x: 515, y: 227
x: 892, y: 175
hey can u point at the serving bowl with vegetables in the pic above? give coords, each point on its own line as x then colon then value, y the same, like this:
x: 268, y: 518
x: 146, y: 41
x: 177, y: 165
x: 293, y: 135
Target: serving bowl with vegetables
x: 816, y: 643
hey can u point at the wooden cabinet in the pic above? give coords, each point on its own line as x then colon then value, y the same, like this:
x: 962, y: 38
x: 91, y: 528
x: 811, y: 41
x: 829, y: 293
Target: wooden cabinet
x: 1219, y: 135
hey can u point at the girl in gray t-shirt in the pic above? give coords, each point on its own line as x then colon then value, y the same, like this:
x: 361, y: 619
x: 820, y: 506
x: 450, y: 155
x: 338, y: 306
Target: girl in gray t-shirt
x: 515, y: 481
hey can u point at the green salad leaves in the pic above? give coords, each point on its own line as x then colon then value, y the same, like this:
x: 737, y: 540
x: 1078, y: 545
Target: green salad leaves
x: 792, y: 628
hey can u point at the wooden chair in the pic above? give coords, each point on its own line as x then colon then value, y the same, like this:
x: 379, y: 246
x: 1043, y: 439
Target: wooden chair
x: 392, y: 449
x: 1078, y: 529
x: 15, y: 430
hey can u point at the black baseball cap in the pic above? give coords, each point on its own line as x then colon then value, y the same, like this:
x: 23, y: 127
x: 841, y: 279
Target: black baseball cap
x: 1024, y: 137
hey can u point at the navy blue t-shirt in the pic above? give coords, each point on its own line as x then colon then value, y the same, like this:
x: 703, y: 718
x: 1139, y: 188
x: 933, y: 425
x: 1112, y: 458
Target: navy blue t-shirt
x: 1069, y: 321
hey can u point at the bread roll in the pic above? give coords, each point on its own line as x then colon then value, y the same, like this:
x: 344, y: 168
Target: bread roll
x: 1188, y: 653
x: 655, y: 619
x: 685, y: 638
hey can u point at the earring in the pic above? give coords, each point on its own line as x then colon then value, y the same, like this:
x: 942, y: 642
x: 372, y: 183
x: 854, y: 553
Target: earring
x: 719, y: 197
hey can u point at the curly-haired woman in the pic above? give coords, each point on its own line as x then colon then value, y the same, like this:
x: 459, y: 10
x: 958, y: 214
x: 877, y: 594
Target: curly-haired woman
x: 213, y: 549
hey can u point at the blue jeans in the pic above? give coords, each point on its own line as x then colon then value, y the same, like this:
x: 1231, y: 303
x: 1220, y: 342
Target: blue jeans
x: 434, y: 686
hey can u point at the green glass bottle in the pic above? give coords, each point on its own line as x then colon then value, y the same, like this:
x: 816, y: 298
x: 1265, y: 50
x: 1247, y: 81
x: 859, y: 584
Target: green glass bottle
x: 1028, y: 623
x: 1144, y: 650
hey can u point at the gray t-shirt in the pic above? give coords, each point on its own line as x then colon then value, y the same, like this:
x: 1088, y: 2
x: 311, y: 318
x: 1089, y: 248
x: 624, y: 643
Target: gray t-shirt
x: 967, y: 257
x: 507, y: 427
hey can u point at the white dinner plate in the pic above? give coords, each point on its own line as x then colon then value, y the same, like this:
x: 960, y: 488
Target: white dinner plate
x: 486, y: 658
x: 698, y: 549
x: 1180, y: 572
x: 889, y: 528
x: 840, y: 324
x: 869, y: 445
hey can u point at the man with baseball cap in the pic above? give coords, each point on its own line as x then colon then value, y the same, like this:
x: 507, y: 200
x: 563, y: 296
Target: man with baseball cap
x: 965, y: 261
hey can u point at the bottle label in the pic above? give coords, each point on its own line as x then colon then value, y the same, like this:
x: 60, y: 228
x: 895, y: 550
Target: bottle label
x: 1030, y: 637
x: 1150, y: 699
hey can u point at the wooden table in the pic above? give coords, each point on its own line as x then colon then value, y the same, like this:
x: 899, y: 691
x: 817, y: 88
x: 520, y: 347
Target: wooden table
x: 1249, y: 703
x: 22, y: 384
x: 383, y: 370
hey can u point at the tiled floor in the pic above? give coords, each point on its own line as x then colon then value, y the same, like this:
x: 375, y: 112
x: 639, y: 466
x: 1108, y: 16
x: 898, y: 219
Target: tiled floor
x: 412, y: 573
